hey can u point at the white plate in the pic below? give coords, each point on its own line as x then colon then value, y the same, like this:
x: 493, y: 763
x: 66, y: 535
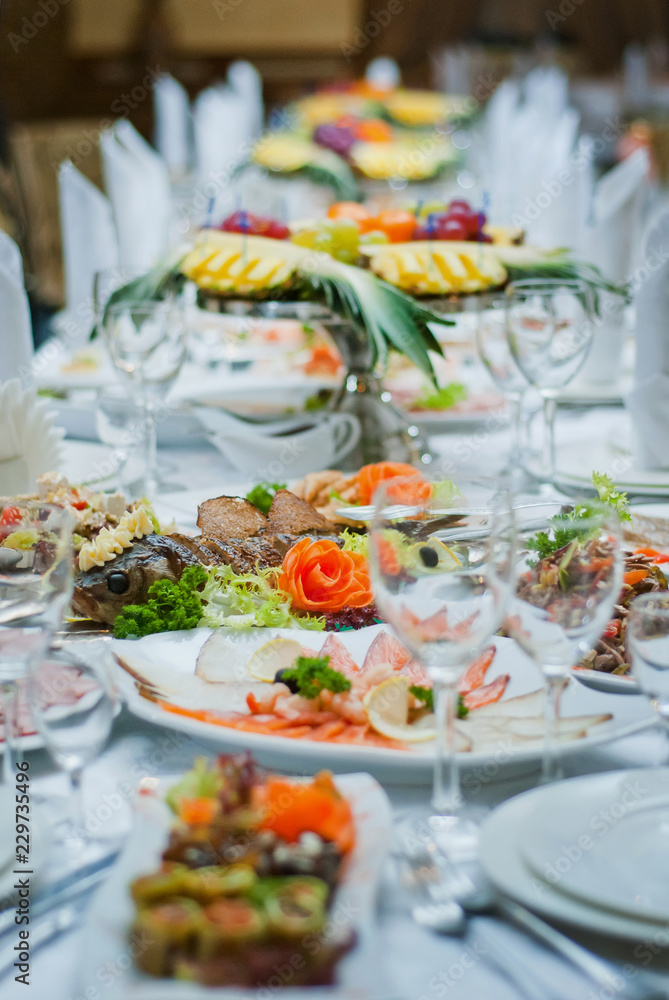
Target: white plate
x: 179, y: 650
x: 111, y: 913
x: 87, y: 463
x: 442, y: 421
x: 598, y: 680
x: 575, y: 463
x: 501, y: 857
x: 584, y: 841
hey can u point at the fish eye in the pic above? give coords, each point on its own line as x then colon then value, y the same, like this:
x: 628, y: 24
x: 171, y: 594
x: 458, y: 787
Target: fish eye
x: 118, y: 582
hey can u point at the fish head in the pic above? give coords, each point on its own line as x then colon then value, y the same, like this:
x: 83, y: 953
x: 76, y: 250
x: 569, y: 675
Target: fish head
x: 101, y: 593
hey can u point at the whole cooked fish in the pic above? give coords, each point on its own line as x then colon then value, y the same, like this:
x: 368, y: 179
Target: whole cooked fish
x: 101, y: 593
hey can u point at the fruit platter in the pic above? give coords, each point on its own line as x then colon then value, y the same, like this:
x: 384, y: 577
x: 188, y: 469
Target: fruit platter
x: 232, y: 872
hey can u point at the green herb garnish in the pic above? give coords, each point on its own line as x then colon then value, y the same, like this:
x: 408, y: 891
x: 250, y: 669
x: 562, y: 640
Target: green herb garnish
x: 318, y: 401
x: 201, y: 782
x: 609, y: 494
x: 313, y: 674
x: 170, y: 607
x: 354, y: 541
x: 566, y: 527
x: 261, y: 496
x: 426, y: 696
x: 443, y: 399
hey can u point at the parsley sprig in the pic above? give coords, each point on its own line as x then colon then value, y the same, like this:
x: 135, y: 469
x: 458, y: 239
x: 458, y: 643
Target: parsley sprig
x: 313, y: 674
x: 426, y: 696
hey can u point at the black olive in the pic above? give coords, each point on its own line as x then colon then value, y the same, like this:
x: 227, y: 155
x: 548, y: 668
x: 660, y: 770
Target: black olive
x: 118, y: 582
x: 429, y: 556
x: 290, y: 684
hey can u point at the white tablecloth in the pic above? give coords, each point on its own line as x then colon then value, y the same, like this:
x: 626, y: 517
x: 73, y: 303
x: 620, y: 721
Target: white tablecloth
x: 414, y: 964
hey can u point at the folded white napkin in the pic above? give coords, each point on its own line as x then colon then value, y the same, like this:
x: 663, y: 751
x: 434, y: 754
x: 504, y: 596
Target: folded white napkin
x: 16, y: 339
x: 246, y: 81
x: 89, y: 245
x: 29, y: 443
x: 137, y: 182
x: 648, y: 402
x: 223, y: 130
x: 612, y: 230
x: 173, y: 132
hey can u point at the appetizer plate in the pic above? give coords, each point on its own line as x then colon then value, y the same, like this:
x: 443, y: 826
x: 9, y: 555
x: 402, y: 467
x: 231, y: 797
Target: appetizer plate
x: 504, y: 857
x: 112, y: 910
x: 165, y: 654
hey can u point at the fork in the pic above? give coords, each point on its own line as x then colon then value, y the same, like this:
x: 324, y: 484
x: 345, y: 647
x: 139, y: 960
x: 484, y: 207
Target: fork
x: 469, y: 887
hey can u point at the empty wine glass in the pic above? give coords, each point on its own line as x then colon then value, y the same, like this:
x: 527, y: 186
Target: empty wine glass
x: 549, y: 325
x: 495, y: 354
x: 442, y: 581
x: 147, y: 344
x: 72, y: 699
x: 567, y: 581
x: 36, y: 574
x: 647, y: 639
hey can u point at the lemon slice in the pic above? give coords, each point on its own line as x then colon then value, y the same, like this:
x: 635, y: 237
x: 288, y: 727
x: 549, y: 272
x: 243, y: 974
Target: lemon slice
x: 388, y: 712
x: 277, y: 654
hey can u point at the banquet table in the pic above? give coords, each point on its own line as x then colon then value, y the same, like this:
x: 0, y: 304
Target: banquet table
x: 413, y: 964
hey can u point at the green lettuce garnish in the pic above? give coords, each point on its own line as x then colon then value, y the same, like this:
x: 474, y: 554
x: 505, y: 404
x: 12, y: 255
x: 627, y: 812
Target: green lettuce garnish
x: 444, y: 398
x: 262, y: 494
x: 245, y: 600
x: 198, y: 783
x: 609, y: 494
x: 354, y: 541
x: 313, y: 674
x: 170, y: 606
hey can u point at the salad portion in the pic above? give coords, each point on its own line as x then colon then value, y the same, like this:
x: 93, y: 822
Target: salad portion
x: 247, y: 879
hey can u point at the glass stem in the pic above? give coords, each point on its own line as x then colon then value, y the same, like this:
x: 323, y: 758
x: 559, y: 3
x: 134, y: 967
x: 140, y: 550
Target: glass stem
x: 150, y: 448
x: 516, y: 449
x: 446, y: 797
x: 548, y: 459
x: 10, y: 711
x: 77, y: 803
x: 552, y: 766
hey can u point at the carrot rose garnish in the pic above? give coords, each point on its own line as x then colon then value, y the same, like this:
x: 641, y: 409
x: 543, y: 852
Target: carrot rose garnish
x: 414, y: 490
x: 319, y: 576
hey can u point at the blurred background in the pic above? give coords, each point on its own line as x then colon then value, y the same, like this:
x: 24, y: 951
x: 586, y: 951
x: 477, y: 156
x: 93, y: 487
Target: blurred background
x: 70, y: 69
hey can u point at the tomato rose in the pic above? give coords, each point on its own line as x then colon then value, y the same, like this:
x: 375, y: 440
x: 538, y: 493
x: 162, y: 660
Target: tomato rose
x: 319, y: 577
x: 417, y: 490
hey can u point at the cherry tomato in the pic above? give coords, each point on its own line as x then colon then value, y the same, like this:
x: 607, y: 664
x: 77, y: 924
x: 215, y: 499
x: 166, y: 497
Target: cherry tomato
x: 612, y: 629
x: 10, y: 515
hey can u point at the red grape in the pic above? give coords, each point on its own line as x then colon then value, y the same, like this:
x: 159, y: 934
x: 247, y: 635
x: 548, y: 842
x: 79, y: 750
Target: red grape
x: 451, y: 228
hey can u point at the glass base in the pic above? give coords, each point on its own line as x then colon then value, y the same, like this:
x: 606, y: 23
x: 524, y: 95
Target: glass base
x: 423, y: 831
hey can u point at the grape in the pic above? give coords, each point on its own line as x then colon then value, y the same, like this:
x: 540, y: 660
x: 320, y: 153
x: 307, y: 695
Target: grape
x: 339, y: 140
x: 305, y: 238
x: 451, y: 229
x: 345, y: 233
x: 374, y: 236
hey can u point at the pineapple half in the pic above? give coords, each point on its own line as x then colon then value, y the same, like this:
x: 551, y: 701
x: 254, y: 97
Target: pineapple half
x: 424, y: 108
x: 241, y: 266
x: 438, y: 267
x: 404, y: 158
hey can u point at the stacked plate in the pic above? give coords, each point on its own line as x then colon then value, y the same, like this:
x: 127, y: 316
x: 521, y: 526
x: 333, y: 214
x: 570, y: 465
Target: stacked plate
x: 592, y: 852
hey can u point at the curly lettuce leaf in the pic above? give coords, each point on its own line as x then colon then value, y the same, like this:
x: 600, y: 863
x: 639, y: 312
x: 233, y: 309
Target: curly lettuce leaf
x: 245, y: 600
x: 608, y: 493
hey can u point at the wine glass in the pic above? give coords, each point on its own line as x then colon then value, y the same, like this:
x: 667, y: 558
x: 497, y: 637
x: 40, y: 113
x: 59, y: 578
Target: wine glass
x: 147, y: 344
x: 73, y: 700
x: 647, y: 640
x: 549, y: 325
x: 568, y: 577
x: 495, y: 354
x: 442, y: 569
x: 36, y: 580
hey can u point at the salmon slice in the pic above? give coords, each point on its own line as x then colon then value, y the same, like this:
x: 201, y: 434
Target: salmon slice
x: 340, y: 658
x: 416, y: 674
x: 385, y: 648
x: 488, y: 694
x: 474, y: 674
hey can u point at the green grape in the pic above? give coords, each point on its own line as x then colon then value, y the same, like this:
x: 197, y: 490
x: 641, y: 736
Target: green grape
x: 375, y: 236
x: 305, y: 238
x: 346, y: 256
x: 346, y: 233
x: 324, y: 241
